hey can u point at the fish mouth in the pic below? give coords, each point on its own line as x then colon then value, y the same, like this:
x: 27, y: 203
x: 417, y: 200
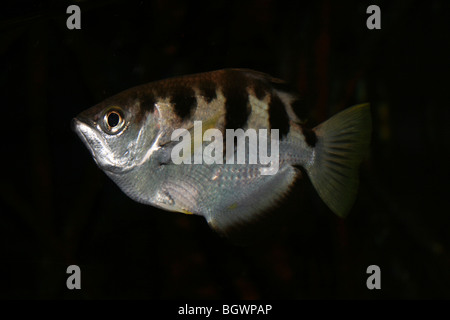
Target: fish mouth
x: 73, y: 124
x: 78, y: 126
x: 87, y: 134
x: 97, y: 145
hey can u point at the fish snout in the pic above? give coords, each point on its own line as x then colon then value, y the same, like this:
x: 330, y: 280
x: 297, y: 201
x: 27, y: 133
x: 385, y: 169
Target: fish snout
x: 74, y: 124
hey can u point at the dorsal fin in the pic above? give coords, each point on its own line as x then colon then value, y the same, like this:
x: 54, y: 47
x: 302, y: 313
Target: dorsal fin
x: 273, y: 82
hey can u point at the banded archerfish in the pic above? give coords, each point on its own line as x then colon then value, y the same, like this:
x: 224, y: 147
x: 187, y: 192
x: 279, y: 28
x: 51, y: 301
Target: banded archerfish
x: 132, y: 139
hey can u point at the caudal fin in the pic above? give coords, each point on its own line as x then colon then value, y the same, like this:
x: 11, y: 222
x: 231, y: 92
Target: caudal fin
x: 342, y: 142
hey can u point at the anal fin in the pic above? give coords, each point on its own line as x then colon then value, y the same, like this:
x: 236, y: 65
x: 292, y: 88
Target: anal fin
x: 243, y: 202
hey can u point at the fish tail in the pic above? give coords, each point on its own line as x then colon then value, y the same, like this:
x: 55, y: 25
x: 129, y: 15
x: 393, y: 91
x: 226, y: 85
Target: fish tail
x: 342, y: 142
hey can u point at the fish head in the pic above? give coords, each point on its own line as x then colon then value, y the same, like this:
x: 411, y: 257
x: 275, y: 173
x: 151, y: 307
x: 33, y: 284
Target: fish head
x: 120, y: 132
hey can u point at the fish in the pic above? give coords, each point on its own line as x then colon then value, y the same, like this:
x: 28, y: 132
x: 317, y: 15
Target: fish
x: 134, y: 135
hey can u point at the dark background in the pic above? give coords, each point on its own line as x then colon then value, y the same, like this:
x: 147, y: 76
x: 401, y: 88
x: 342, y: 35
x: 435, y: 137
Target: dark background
x: 58, y: 208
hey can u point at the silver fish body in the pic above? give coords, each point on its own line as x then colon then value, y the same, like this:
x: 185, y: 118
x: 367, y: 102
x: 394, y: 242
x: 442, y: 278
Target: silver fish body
x: 130, y: 136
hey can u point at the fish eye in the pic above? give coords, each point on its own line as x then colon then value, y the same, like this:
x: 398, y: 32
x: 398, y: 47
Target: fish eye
x: 114, y: 121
